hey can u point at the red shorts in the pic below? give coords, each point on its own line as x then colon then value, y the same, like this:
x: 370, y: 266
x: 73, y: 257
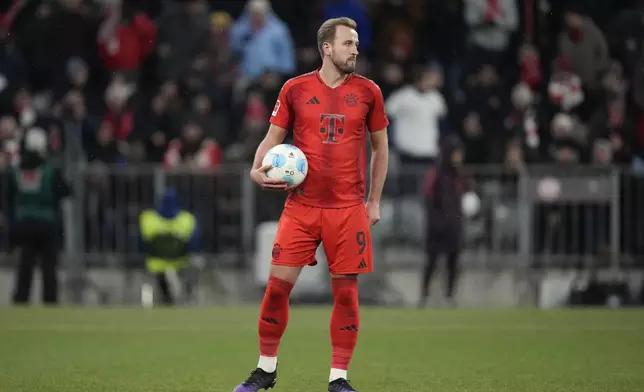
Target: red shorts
x: 344, y: 233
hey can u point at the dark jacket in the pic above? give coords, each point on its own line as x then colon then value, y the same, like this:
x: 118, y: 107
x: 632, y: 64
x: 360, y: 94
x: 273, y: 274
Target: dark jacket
x: 443, y: 190
x: 29, y: 161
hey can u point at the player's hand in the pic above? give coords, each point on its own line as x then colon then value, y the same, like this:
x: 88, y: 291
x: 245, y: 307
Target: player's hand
x: 373, y: 212
x: 260, y: 178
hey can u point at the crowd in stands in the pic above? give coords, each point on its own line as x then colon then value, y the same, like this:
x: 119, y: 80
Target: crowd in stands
x: 192, y: 82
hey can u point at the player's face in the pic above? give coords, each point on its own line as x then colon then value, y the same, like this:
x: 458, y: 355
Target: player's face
x: 431, y: 80
x: 344, y: 51
x: 457, y: 158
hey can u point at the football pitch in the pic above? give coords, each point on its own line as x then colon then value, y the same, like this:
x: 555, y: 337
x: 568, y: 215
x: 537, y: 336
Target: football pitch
x: 213, y: 349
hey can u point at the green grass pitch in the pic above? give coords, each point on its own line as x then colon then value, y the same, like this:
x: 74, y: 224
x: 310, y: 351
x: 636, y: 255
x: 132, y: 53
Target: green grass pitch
x: 399, y: 350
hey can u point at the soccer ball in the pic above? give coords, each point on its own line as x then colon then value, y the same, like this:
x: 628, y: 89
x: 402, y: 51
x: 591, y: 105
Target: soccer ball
x: 288, y: 163
x: 470, y: 204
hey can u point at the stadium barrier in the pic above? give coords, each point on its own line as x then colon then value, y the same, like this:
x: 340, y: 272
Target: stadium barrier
x: 549, y: 216
x: 538, y: 216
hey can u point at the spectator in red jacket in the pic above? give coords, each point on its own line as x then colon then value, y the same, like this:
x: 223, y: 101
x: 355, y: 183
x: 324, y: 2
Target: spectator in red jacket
x: 125, y: 41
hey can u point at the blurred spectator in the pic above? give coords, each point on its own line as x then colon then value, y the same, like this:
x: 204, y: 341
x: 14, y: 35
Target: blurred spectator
x: 263, y: 42
x: 253, y: 128
x: 125, y: 39
x: 625, y: 35
x: 13, y: 69
x: 104, y: 147
x: 564, y: 87
x: 159, y: 122
x: 221, y: 63
x: 23, y: 108
x: 395, y: 60
x: 514, y: 157
x: 57, y: 31
x: 569, y: 139
x: 444, y: 188
x: 355, y: 10
x: 212, y: 121
x: 522, y: 123
x: 487, y: 95
x: 491, y: 24
x: 474, y: 138
x: 183, y: 31
x: 118, y: 115
x: 76, y: 83
x: 417, y: 110
x: 9, y: 141
x: 193, y: 149
x: 611, y: 121
x: 35, y: 190
x: 530, y: 64
x: 585, y: 46
x: 602, y: 152
x: 170, y: 234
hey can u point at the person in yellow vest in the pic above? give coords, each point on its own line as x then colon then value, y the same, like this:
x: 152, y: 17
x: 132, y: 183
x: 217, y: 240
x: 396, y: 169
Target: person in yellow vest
x: 170, y: 235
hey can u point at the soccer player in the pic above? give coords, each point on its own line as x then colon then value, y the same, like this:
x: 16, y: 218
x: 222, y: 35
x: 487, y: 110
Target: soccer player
x: 330, y: 111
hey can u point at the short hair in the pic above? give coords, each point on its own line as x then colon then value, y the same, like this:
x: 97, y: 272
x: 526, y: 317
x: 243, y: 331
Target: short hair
x: 326, y: 32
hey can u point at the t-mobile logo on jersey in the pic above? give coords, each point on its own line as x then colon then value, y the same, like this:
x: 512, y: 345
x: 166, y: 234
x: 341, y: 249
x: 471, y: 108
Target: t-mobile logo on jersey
x: 331, y: 125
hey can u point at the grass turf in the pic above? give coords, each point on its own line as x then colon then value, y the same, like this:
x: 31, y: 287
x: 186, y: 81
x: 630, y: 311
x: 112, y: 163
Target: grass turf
x: 213, y: 349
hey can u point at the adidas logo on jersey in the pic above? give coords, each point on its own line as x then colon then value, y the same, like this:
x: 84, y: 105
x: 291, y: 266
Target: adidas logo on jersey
x: 313, y: 101
x: 362, y: 264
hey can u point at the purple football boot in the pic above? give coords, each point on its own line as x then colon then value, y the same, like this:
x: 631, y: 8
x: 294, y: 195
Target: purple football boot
x: 257, y: 381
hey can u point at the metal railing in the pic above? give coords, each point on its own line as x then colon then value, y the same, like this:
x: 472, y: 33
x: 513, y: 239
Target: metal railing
x: 109, y: 200
x: 550, y: 215
x: 536, y: 216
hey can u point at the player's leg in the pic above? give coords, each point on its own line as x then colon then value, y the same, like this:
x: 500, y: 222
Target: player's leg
x: 452, y: 276
x: 295, y: 244
x: 428, y: 271
x: 274, y: 312
x: 347, y: 244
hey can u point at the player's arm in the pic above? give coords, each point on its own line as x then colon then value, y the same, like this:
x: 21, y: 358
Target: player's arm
x: 378, y: 123
x: 274, y: 136
x: 280, y: 121
x: 379, y: 164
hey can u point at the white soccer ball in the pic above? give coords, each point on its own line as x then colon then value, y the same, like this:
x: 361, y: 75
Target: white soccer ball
x: 288, y: 163
x: 470, y: 204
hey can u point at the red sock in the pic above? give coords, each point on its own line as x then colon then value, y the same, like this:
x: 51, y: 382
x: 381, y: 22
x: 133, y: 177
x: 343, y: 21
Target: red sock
x: 273, y: 316
x: 345, y: 321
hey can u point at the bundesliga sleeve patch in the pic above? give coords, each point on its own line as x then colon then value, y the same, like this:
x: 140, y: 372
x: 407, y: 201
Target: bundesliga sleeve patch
x: 276, y: 108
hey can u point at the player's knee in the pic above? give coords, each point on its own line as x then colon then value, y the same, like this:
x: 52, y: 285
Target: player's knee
x: 278, y: 290
x: 345, y: 290
x: 285, y: 273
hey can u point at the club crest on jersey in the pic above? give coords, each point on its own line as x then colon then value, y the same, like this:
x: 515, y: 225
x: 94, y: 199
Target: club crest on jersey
x: 351, y: 99
x: 277, y: 251
x: 276, y: 108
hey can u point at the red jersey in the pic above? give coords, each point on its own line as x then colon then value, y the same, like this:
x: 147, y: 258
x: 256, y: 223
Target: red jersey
x: 330, y: 126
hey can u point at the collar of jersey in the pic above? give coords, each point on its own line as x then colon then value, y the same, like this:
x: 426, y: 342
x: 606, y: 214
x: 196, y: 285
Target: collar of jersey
x: 346, y: 80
